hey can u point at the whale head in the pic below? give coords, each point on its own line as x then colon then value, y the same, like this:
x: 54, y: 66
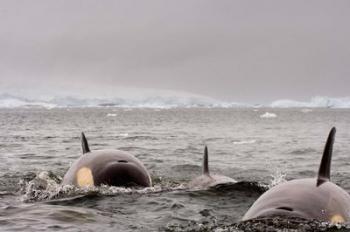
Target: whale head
x: 106, y: 167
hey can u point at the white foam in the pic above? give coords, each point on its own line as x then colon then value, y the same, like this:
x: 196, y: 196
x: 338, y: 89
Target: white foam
x: 268, y: 115
x: 244, y: 142
x: 46, y: 186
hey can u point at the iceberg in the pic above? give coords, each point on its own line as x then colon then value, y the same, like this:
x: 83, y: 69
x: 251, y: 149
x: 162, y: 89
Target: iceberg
x: 166, y: 100
x: 156, y: 101
x: 268, y: 115
x: 315, y: 102
x: 9, y: 101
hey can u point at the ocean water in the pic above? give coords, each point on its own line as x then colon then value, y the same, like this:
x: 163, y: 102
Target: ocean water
x: 38, y: 145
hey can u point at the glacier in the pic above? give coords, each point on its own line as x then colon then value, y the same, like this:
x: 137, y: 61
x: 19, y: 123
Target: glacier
x: 162, y: 102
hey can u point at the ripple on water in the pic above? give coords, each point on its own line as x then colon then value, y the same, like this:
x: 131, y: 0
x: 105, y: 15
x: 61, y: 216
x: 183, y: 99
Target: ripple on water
x: 276, y: 224
x: 140, y: 137
x: 44, y: 205
x: 303, y: 151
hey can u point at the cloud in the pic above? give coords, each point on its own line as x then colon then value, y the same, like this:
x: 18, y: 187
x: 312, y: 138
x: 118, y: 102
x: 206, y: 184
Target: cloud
x: 233, y: 50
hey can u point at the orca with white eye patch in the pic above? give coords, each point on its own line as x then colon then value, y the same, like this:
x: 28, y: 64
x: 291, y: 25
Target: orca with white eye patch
x: 106, y: 167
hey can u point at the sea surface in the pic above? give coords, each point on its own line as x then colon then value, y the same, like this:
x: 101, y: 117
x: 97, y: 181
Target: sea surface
x: 258, y: 147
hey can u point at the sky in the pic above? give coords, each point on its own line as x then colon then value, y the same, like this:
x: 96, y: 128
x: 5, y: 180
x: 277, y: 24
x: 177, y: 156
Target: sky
x: 235, y: 50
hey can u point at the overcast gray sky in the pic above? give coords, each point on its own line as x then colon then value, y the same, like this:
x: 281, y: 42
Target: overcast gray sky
x: 252, y: 51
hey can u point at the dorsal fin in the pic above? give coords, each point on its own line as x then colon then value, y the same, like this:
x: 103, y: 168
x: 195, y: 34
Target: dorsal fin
x: 84, y: 143
x: 205, y: 161
x: 325, y: 166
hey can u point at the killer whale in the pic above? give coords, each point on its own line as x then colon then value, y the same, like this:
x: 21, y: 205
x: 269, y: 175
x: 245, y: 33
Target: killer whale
x: 207, y: 180
x: 309, y: 198
x: 106, y: 167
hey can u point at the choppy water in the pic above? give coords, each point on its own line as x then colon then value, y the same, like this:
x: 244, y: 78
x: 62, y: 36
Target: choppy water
x: 37, y: 147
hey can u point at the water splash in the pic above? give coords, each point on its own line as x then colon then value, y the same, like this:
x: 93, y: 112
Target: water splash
x: 46, y: 186
x: 277, y: 178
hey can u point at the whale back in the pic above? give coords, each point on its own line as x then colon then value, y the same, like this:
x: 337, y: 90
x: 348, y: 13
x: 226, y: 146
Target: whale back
x: 303, y: 198
x: 306, y: 198
x: 207, y: 180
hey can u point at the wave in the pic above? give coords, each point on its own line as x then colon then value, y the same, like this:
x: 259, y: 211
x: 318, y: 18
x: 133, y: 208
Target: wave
x: 46, y: 187
x: 273, y: 224
x: 160, y: 102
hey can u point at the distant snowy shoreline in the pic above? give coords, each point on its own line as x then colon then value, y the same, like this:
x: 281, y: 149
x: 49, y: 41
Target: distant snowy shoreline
x: 163, y: 102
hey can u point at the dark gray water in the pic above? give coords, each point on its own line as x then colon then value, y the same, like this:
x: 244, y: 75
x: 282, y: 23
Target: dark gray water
x: 37, y: 147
